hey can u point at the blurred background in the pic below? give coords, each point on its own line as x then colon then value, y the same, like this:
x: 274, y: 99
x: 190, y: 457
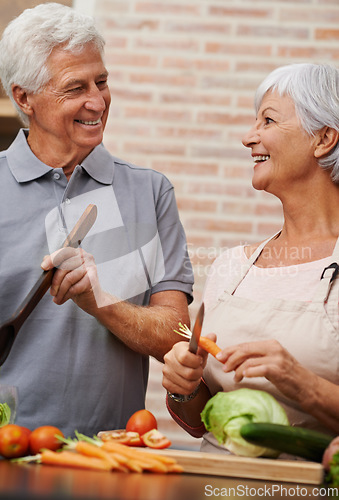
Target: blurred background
x: 182, y: 76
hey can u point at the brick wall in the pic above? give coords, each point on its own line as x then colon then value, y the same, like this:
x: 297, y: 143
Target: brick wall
x: 182, y: 76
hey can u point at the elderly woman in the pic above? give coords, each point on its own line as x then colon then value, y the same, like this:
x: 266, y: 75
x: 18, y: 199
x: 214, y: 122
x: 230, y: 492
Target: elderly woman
x: 274, y: 306
x: 81, y: 363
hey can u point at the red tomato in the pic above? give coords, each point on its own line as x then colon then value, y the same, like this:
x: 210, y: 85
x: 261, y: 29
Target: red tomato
x: 26, y: 430
x: 118, y: 436
x: 44, y: 437
x: 141, y: 421
x: 14, y: 441
x: 155, y: 439
x: 134, y: 439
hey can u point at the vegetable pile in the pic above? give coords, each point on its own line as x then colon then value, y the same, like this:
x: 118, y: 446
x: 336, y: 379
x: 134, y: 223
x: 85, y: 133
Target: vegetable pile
x: 93, y: 453
x: 48, y: 445
x: 141, y: 430
x: 226, y: 413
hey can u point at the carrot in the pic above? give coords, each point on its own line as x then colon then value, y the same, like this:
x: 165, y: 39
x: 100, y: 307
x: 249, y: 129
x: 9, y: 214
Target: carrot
x: 92, y: 450
x: 139, y: 459
x: 132, y: 452
x: 74, y: 459
x: 209, y: 346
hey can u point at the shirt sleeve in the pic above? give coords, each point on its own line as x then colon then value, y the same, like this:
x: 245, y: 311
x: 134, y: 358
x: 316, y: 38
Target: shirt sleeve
x: 178, y: 273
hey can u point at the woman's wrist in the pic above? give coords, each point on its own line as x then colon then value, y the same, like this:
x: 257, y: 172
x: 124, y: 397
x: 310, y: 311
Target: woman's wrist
x: 183, y: 398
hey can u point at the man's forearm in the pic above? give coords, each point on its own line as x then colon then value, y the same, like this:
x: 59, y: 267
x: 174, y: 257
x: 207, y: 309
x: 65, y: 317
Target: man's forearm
x: 147, y: 330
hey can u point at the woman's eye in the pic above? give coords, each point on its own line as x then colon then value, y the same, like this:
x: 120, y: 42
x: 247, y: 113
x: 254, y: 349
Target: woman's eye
x: 268, y: 120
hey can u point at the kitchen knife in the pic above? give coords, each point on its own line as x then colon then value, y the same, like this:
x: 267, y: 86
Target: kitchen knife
x: 9, y: 329
x: 194, y: 341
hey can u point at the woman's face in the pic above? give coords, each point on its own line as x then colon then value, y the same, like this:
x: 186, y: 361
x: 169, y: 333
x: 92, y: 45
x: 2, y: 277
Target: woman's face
x: 283, y: 152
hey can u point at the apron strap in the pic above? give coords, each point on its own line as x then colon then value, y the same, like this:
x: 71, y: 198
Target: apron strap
x: 233, y: 285
x: 329, y: 277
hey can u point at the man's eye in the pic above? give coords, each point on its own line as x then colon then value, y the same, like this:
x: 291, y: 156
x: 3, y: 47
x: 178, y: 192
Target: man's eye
x: 102, y: 83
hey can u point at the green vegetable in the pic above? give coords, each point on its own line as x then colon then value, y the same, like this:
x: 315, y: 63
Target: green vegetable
x: 332, y: 478
x: 5, y: 414
x: 297, y: 441
x: 226, y: 412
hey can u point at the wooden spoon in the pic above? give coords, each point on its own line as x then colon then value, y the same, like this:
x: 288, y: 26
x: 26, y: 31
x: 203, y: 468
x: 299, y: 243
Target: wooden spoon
x: 10, y: 329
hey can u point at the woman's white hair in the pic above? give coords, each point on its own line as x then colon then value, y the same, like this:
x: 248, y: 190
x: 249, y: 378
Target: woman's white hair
x: 29, y: 39
x: 314, y: 89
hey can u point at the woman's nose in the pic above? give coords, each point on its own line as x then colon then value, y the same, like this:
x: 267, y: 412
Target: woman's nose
x: 251, y: 137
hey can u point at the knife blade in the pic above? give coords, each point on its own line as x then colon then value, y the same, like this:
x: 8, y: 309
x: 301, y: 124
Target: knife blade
x: 194, y: 341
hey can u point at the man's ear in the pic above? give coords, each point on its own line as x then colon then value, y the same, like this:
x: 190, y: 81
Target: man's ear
x: 21, y: 98
x: 327, y: 138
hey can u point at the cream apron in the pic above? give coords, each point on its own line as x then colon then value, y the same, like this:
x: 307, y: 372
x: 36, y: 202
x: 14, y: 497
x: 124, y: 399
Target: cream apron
x: 306, y: 329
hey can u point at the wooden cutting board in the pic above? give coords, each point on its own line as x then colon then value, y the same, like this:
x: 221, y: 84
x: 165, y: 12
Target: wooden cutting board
x: 215, y: 464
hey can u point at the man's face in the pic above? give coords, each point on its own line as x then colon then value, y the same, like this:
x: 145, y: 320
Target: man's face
x: 69, y: 114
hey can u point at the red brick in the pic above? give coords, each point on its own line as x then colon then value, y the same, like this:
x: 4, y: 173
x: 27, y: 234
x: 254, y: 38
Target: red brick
x: 327, y: 34
x: 221, y: 189
x: 196, y: 64
x: 197, y: 28
x: 188, y: 167
x: 234, y: 11
x: 238, y: 48
x: 154, y: 149
x: 196, y: 205
x: 158, y: 43
x: 175, y: 80
x: 224, y: 118
x: 189, y: 133
x: 309, y: 53
x: 317, y: 15
x: 156, y: 114
x: 133, y: 60
x: 219, y: 225
x: 214, y: 99
x: 125, y: 23
x: 131, y: 94
x: 273, y: 31
x: 166, y: 8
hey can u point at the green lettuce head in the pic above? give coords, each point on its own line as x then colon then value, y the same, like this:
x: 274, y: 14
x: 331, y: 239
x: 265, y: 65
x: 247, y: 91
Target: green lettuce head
x: 226, y: 412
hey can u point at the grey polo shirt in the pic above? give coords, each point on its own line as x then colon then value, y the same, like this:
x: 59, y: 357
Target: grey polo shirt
x: 70, y: 371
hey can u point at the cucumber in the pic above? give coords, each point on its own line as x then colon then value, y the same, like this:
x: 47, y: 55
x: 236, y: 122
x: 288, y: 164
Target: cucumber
x: 304, y: 443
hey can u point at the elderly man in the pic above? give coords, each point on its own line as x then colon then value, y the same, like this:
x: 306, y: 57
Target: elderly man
x: 80, y: 361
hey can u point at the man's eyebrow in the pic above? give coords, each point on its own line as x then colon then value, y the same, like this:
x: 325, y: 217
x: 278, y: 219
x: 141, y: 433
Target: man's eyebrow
x: 73, y: 82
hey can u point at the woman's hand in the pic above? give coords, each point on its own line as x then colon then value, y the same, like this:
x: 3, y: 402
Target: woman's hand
x: 75, y: 278
x: 183, y: 370
x: 271, y: 360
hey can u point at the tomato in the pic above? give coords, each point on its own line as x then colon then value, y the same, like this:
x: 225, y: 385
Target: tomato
x: 155, y: 439
x: 14, y: 441
x: 26, y: 430
x: 118, y: 436
x: 134, y: 439
x: 121, y: 436
x: 141, y: 421
x: 44, y: 437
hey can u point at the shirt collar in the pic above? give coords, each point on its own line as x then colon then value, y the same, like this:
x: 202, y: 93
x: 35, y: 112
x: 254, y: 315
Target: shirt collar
x: 25, y: 166
x: 23, y: 163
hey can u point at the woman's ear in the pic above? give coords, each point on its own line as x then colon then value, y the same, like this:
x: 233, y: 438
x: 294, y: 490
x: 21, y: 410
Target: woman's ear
x: 21, y: 98
x: 327, y: 138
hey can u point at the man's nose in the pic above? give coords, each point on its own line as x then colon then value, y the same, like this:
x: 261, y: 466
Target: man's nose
x: 95, y: 100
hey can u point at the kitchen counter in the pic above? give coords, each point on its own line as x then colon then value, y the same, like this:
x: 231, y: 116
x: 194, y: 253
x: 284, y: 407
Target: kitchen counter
x: 43, y: 482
